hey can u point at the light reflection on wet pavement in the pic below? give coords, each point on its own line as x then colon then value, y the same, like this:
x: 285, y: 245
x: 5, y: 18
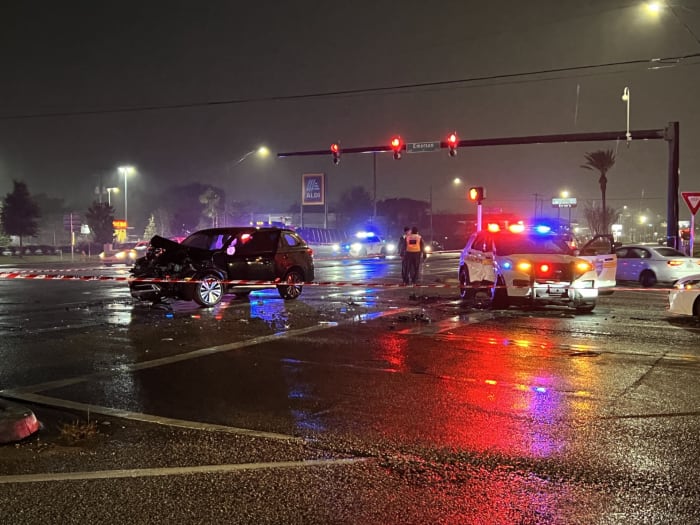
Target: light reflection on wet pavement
x: 437, y: 393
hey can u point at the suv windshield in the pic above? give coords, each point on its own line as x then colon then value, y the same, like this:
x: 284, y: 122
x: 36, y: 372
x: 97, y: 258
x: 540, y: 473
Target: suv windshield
x: 508, y: 244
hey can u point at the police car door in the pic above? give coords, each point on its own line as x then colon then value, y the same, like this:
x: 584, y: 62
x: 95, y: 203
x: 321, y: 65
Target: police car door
x: 480, y: 259
x: 600, y: 252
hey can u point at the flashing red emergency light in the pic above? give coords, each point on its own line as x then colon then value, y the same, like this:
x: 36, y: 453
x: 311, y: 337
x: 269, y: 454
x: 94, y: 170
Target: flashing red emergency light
x: 335, y: 150
x: 452, y: 143
x: 396, y: 145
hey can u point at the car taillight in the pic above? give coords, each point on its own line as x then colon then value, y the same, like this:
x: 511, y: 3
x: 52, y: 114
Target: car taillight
x: 675, y: 262
x: 544, y: 268
x: 311, y: 252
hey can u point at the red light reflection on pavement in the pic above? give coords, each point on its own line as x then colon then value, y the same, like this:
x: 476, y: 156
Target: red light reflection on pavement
x: 490, y: 393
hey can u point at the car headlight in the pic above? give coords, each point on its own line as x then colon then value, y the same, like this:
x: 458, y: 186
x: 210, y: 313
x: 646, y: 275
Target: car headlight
x: 336, y: 247
x: 427, y: 249
x: 355, y: 247
x: 391, y: 247
x: 120, y: 255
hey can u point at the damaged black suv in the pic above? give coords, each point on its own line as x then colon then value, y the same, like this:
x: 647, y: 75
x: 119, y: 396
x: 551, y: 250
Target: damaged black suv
x: 212, y: 262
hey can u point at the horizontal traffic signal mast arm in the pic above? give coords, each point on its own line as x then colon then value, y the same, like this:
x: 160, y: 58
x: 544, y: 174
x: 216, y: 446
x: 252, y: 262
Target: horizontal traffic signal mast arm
x: 344, y: 150
x: 644, y: 134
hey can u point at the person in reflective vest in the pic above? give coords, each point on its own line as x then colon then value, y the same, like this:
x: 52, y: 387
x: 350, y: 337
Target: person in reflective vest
x: 402, y: 254
x: 415, y: 251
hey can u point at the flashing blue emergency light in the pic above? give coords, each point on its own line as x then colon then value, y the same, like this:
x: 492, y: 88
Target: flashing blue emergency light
x: 507, y: 265
x: 543, y: 228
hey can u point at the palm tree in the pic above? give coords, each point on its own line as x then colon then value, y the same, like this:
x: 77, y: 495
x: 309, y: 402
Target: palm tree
x: 601, y: 161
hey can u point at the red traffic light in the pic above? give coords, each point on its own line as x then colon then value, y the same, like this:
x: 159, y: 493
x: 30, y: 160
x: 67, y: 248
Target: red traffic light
x: 335, y: 150
x: 397, y: 145
x: 452, y: 143
x: 476, y: 194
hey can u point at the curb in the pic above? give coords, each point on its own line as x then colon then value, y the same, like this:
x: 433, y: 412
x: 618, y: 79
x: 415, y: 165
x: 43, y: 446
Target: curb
x: 16, y: 422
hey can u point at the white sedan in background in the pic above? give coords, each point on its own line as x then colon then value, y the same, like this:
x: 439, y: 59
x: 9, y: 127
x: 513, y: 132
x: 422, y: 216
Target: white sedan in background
x: 649, y: 264
x: 126, y: 253
x: 684, y: 298
x: 365, y: 244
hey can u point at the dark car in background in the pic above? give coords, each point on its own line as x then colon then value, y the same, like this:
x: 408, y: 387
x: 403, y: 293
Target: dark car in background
x: 202, y: 267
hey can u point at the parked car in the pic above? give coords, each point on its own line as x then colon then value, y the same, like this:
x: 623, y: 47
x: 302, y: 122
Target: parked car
x: 432, y: 247
x: 684, y: 298
x: 365, y: 244
x: 525, y: 266
x: 650, y: 264
x: 126, y: 253
x: 202, y: 266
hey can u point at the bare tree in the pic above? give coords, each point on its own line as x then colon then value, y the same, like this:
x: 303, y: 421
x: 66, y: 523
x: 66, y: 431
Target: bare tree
x: 597, y: 218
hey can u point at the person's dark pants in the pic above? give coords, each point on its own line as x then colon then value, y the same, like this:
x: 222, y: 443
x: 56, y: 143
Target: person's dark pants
x: 404, y: 269
x: 413, y: 265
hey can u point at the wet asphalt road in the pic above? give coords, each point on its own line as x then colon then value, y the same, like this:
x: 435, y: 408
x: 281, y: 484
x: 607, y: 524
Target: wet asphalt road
x: 353, y: 404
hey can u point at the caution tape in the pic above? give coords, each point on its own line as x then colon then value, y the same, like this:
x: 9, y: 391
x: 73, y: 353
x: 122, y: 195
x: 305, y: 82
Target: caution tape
x: 259, y: 283
x: 237, y: 282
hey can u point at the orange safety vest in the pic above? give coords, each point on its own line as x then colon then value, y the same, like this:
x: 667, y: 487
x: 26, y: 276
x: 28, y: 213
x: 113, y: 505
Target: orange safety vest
x: 413, y: 243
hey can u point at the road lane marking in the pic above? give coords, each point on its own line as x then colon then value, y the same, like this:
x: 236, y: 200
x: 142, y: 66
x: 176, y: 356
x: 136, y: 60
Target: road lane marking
x: 173, y: 471
x: 147, y: 418
x: 200, y: 352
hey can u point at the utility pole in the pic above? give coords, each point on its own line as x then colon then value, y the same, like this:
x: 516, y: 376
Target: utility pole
x: 374, y: 179
x: 537, y: 195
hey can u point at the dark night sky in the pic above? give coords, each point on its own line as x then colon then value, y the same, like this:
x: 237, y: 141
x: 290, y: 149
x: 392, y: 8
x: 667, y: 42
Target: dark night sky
x: 79, y: 57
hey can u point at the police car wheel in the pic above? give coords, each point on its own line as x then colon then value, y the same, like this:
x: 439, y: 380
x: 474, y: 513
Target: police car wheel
x: 466, y: 292
x: 587, y: 309
x: 483, y: 297
x: 500, y: 295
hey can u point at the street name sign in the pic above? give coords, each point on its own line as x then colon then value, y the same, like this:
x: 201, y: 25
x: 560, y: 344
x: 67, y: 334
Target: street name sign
x: 569, y: 202
x: 422, y: 147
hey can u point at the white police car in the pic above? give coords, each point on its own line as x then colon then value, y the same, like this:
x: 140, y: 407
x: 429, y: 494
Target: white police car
x: 525, y: 266
x: 684, y: 297
x: 365, y: 244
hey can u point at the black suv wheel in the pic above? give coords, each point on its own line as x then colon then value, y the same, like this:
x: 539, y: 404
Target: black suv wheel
x: 208, y: 290
x: 291, y: 290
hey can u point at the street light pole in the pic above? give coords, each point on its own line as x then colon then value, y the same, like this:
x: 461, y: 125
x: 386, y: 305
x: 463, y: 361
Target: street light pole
x: 126, y: 171
x: 262, y: 151
x: 626, y: 98
x: 109, y: 194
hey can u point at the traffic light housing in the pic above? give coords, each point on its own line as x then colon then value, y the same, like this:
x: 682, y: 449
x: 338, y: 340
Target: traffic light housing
x: 452, y: 143
x: 476, y: 194
x: 335, y: 150
x: 397, y: 145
